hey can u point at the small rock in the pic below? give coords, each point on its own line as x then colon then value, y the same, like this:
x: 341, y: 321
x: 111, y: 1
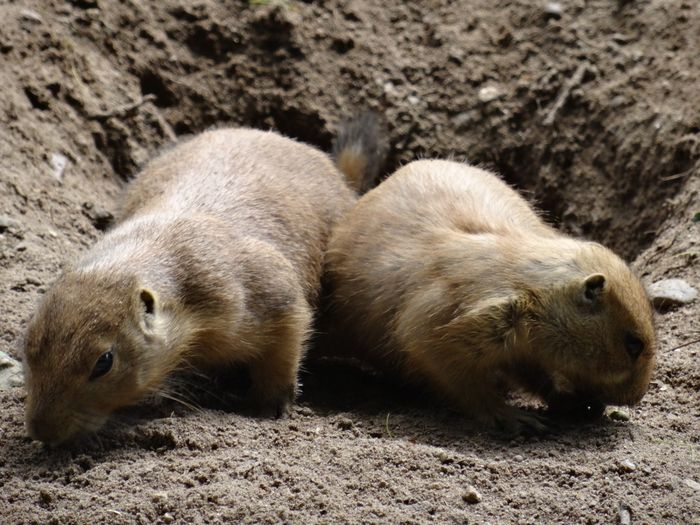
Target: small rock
x: 8, y: 223
x: 626, y: 466
x: 553, y: 9
x: 444, y: 457
x: 471, y: 495
x: 460, y: 120
x: 389, y: 88
x: 58, y: 163
x: 619, y: 415
x: 45, y: 496
x: 159, y: 497
x: 344, y: 423
x: 100, y: 218
x: 31, y: 16
x: 413, y: 100
x: 517, y: 457
x: 625, y: 514
x: 668, y: 293
x: 168, y: 518
x: 6, y: 360
x: 489, y: 93
x: 691, y: 483
x: 10, y: 372
x: 15, y: 380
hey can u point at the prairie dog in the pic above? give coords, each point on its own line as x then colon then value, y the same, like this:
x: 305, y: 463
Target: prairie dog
x: 447, y: 273
x: 216, y: 259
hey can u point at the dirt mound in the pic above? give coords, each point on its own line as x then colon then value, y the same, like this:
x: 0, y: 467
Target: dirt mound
x: 588, y: 107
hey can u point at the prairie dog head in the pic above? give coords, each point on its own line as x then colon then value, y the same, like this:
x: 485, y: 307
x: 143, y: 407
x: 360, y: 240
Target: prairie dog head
x: 597, y: 331
x: 96, y: 343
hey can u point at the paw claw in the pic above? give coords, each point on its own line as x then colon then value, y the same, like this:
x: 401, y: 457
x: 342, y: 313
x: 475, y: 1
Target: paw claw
x: 515, y: 421
x: 273, y: 404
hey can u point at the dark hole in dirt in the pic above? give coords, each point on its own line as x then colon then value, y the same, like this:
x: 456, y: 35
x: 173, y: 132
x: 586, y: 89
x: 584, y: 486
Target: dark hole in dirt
x: 182, y: 128
x: 84, y: 4
x: 306, y: 126
x: 155, y: 440
x: 212, y: 41
x: 36, y: 99
x: 153, y: 84
x: 342, y: 45
x: 274, y: 31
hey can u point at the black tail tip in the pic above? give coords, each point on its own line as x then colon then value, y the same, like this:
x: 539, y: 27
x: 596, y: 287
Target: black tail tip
x: 360, y: 149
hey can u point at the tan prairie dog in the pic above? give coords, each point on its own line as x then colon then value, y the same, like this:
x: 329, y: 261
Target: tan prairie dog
x: 446, y: 272
x: 216, y: 259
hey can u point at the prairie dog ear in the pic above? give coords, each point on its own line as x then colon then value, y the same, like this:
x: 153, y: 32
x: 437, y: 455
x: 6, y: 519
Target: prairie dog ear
x: 593, y: 287
x: 148, y: 304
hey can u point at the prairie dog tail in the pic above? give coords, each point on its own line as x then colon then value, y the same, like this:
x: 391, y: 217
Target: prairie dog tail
x: 360, y: 150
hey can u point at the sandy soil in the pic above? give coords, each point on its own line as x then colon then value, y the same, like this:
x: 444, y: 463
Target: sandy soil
x: 593, y: 112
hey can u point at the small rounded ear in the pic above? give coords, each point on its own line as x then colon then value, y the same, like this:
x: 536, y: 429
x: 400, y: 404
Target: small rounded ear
x: 148, y: 300
x: 148, y: 304
x: 593, y: 286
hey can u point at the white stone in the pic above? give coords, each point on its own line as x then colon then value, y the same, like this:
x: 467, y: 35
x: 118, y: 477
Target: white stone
x: 554, y: 8
x: 58, y: 163
x: 10, y: 372
x: 691, y: 483
x: 671, y: 292
x: 489, y: 93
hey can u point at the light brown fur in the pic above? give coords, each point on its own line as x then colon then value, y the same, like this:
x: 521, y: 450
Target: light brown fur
x: 216, y: 259
x: 447, y: 273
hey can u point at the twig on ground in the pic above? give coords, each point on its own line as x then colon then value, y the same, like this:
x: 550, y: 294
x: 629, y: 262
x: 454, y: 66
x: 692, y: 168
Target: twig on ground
x: 684, y: 345
x: 386, y: 426
x: 564, y: 94
x: 121, y: 111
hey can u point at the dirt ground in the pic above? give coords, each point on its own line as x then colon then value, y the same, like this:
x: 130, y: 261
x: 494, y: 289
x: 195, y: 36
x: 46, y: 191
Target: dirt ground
x: 591, y: 107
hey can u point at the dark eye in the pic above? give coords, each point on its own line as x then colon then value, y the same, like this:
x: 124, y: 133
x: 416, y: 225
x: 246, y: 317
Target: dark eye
x: 634, y: 345
x: 103, y: 365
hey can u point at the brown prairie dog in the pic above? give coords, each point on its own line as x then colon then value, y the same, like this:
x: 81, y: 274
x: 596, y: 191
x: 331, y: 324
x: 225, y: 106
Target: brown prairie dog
x: 216, y: 259
x: 446, y: 272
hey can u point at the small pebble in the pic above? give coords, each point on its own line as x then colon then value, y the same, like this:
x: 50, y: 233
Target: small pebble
x: 625, y: 514
x: 344, y: 423
x: 168, y: 518
x: 626, y: 466
x: 517, y: 457
x: 100, y: 218
x: 159, y: 497
x: 691, y: 483
x: 444, y: 457
x: 10, y: 372
x: 58, y: 163
x: 489, y: 93
x: 45, y: 496
x: 668, y: 293
x: 6, y: 360
x: 471, y: 495
x: 15, y: 380
x: 413, y: 100
x: 553, y: 9
x: 460, y: 120
x: 7, y: 223
x: 32, y: 16
x: 619, y: 415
